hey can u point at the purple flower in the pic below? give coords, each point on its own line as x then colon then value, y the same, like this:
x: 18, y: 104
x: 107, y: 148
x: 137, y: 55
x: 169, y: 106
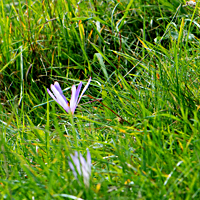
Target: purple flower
x: 59, y: 97
x: 82, y: 166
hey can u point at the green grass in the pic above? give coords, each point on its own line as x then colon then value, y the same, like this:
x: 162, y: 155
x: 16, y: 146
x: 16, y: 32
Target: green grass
x: 140, y: 117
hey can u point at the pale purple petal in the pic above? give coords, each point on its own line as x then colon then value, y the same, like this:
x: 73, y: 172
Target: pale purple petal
x: 60, y: 98
x: 78, y: 91
x: 81, y: 166
x: 86, y: 179
x: 73, y: 99
x: 76, y: 154
x: 89, y: 161
x: 84, y: 89
x: 85, y: 170
x: 73, y: 170
x: 76, y: 162
x: 83, y: 161
x: 57, y: 86
x: 51, y: 95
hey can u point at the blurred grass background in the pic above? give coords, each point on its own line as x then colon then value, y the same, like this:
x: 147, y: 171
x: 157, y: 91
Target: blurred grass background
x: 142, y: 133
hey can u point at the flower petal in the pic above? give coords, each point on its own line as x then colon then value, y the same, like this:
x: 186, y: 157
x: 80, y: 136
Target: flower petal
x: 83, y: 161
x: 78, y: 91
x: 57, y: 86
x: 73, y: 99
x: 89, y: 161
x: 76, y: 162
x: 84, y: 89
x: 60, y: 98
x: 85, y: 170
x: 50, y: 93
x: 73, y: 170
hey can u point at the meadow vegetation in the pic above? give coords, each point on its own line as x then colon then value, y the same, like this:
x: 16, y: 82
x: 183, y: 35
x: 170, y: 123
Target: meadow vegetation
x: 139, y: 117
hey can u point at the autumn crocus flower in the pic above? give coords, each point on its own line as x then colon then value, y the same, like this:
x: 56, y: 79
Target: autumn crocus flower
x: 81, y: 166
x: 59, y: 97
